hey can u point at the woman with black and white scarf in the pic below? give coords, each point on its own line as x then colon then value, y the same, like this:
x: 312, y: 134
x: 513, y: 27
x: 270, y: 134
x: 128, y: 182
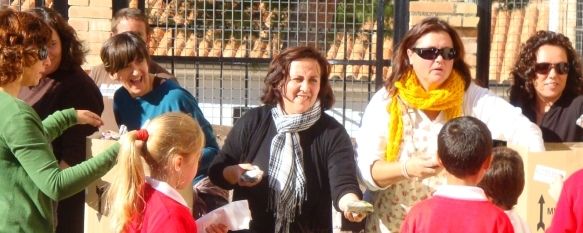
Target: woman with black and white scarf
x: 302, y: 158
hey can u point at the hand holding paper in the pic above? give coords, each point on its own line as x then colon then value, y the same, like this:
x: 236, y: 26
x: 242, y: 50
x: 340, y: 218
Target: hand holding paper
x: 235, y: 215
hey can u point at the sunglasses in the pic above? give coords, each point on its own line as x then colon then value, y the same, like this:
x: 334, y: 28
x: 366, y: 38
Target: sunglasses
x: 432, y: 53
x: 545, y: 67
x: 43, y: 53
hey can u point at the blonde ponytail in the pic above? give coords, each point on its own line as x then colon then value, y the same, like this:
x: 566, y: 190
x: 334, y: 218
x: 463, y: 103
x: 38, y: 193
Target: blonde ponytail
x: 167, y: 135
x: 124, y: 196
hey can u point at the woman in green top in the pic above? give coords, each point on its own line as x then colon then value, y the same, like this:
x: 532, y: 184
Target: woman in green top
x: 30, y: 178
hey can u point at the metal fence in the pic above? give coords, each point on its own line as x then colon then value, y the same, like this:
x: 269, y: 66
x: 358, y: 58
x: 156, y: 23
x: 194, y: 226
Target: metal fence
x: 220, y: 50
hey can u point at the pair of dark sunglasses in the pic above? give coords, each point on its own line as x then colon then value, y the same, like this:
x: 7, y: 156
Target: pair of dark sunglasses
x: 432, y: 53
x: 544, y: 68
x: 43, y: 53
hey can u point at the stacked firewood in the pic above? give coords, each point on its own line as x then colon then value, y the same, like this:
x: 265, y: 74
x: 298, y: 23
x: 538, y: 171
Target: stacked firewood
x: 361, y: 46
x: 180, y: 42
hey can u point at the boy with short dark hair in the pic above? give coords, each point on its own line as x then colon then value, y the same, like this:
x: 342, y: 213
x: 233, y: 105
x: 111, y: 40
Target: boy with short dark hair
x: 464, y: 149
x: 503, y: 183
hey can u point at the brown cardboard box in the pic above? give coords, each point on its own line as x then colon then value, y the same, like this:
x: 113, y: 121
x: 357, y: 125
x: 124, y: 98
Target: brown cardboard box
x: 96, y: 221
x: 536, y: 205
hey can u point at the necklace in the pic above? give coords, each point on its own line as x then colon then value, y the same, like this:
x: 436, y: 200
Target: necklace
x: 416, y: 151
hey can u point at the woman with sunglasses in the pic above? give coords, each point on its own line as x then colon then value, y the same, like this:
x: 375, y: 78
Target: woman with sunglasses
x: 397, y: 142
x: 32, y: 180
x: 65, y: 85
x: 547, y: 86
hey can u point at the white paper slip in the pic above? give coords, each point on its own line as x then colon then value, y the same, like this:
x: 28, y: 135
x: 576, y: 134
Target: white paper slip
x: 235, y: 215
x: 547, y: 174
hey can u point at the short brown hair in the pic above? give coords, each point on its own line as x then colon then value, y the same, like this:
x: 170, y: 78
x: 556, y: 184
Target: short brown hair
x: 129, y: 13
x: 504, y: 181
x: 121, y: 50
x: 427, y: 25
x: 278, y: 75
x: 464, y: 144
x: 21, y: 37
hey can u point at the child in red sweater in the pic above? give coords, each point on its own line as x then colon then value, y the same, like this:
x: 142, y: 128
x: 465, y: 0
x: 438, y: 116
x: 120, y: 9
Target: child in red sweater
x: 569, y: 212
x: 464, y: 149
x: 171, y: 145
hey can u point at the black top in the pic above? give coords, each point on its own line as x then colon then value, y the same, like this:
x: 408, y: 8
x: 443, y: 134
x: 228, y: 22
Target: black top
x: 328, y: 163
x: 63, y: 89
x: 558, y: 124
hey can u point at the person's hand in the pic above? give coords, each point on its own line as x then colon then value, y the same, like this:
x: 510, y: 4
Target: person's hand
x: 216, y: 228
x: 255, y: 178
x: 422, y: 167
x: 88, y: 117
x: 344, y: 202
x: 234, y: 173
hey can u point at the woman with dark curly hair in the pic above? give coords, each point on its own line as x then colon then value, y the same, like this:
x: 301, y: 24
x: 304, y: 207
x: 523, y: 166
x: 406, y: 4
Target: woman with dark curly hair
x: 65, y: 85
x: 306, y: 155
x: 547, y: 86
x: 31, y: 177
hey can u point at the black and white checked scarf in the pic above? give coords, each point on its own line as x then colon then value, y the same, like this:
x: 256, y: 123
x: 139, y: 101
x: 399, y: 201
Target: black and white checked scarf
x: 286, y: 165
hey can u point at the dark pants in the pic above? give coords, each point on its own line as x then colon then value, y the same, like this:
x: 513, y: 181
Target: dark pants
x: 70, y: 214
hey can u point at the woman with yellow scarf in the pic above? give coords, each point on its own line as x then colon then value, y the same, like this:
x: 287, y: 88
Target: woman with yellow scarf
x: 397, y: 142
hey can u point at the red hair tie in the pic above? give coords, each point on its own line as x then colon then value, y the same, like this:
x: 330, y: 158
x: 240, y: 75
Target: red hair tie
x: 142, y: 134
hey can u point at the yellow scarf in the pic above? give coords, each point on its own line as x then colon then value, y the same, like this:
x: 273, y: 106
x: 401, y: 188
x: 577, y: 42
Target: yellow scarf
x: 448, y: 97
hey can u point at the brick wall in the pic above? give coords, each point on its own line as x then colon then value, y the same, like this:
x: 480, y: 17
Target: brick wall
x: 460, y: 15
x: 92, y: 20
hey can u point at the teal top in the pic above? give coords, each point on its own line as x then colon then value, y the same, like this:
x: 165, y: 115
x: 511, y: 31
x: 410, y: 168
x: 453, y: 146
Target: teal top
x: 30, y: 178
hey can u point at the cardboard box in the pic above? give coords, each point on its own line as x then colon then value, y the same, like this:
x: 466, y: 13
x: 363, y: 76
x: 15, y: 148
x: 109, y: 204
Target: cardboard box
x: 536, y: 204
x: 96, y: 221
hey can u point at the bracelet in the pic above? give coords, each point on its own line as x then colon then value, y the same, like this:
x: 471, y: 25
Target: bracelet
x: 404, y: 169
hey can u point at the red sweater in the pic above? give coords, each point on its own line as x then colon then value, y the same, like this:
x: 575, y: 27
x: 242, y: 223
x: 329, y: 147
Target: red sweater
x: 162, y: 214
x: 444, y: 214
x: 569, y: 212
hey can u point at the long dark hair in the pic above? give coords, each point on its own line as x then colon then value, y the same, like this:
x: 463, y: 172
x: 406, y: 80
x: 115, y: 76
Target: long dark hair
x: 427, y: 25
x: 522, y: 92
x: 72, y: 50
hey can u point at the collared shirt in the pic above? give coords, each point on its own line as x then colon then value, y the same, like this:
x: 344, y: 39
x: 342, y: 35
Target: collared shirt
x: 462, y: 192
x: 166, y: 189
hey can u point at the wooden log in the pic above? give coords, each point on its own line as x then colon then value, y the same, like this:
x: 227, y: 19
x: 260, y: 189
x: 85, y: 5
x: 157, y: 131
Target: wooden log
x: 206, y: 43
x: 333, y: 50
x: 357, y: 53
x: 231, y: 48
x: 189, y: 48
x: 179, y: 43
x: 258, y: 48
x: 164, y: 44
x: 217, y: 49
x: 242, y: 50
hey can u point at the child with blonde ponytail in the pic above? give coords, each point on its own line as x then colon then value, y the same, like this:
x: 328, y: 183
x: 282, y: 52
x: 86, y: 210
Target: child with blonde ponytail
x: 171, y: 145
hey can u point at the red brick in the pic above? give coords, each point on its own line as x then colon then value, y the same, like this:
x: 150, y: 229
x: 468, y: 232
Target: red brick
x: 79, y: 24
x: 470, y: 21
x: 91, y: 60
x: 466, y: 8
x: 94, y: 37
x: 103, y: 3
x: 90, y: 12
x: 455, y: 21
x: 78, y: 2
x: 100, y: 25
x: 470, y: 44
x: 431, y: 7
